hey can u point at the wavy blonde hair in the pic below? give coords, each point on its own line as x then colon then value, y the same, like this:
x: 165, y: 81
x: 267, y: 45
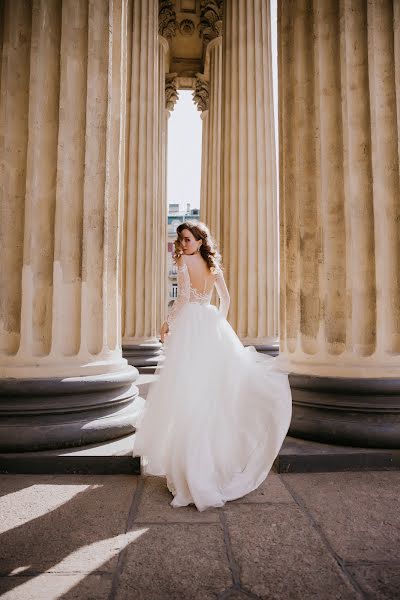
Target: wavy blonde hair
x: 208, y: 248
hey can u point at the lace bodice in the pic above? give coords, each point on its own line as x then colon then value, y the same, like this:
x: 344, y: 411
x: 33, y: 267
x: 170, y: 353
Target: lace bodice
x: 187, y: 293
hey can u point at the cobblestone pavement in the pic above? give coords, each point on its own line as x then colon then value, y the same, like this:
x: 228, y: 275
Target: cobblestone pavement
x: 313, y: 536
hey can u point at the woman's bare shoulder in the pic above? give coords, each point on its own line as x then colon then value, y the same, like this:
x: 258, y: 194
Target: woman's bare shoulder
x: 181, y: 261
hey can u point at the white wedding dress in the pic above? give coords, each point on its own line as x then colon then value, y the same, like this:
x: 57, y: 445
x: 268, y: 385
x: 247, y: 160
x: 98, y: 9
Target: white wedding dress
x: 216, y: 417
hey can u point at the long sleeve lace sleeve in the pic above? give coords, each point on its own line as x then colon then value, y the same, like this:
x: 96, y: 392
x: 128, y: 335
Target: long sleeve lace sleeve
x: 183, y: 296
x: 224, y: 298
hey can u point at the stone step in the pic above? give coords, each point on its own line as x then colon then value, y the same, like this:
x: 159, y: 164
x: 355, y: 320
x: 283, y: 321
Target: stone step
x: 107, y: 458
x: 304, y: 456
x: 115, y: 457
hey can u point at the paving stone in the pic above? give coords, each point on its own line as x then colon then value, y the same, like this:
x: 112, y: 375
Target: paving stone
x: 62, y: 535
x: 50, y: 586
x: 281, y: 556
x: 271, y: 490
x: 27, y: 497
x: 358, y: 512
x: 176, y: 562
x: 236, y: 595
x: 155, y: 506
x: 378, y: 581
x: 10, y: 484
x: 65, y: 523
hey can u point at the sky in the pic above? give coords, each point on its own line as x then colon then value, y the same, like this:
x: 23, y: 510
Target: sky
x: 184, y: 139
x: 184, y: 152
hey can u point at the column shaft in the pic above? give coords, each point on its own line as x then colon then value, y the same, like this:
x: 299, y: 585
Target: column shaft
x: 142, y: 252
x: 211, y: 144
x: 162, y: 216
x: 70, y: 179
x: 37, y: 274
x: 14, y: 103
x: 249, y: 205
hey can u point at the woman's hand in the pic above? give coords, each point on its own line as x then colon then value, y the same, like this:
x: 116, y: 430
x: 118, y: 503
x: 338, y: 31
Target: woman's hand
x: 164, y: 331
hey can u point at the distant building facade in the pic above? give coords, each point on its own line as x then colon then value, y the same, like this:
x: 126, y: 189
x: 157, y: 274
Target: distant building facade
x: 176, y: 216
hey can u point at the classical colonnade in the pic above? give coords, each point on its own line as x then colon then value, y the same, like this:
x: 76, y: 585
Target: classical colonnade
x: 85, y: 94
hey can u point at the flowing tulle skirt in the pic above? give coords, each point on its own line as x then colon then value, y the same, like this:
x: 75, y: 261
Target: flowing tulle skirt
x: 216, y: 418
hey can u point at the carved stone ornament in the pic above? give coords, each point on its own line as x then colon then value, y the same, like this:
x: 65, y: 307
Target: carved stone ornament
x: 186, y: 27
x: 171, y: 93
x: 210, y: 19
x: 201, y: 93
x: 167, y: 23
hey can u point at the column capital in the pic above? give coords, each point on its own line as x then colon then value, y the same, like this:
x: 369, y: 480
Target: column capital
x: 167, y: 22
x: 201, y: 94
x: 171, y: 93
x: 210, y: 19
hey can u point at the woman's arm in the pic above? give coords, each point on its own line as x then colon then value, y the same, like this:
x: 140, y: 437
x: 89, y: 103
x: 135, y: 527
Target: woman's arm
x: 183, y: 296
x: 224, y: 298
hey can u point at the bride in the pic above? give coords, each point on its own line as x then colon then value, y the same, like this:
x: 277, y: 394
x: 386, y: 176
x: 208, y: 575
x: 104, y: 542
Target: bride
x: 216, y: 417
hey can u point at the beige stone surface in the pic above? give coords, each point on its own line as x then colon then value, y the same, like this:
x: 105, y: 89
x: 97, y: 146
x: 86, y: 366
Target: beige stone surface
x: 378, y: 582
x: 142, y: 251
x: 249, y: 233
x: 210, y: 194
x: 155, y: 506
x: 84, y: 536
x: 162, y: 214
x: 357, y: 512
x: 62, y: 159
x: 339, y: 187
x: 55, y: 586
x: 64, y: 523
x: 271, y: 490
x: 279, y: 555
x: 176, y: 561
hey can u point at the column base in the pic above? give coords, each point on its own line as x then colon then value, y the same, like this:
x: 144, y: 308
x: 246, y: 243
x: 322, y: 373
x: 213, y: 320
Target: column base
x: 346, y: 411
x: 270, y: 349
x: 105, y: 458
x: 38, y: 414
x: 304, y: 456
x: 267, y: 345
x: 145, y: 354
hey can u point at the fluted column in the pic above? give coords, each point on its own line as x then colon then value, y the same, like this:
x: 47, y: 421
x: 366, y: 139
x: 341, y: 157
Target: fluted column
x: 210, y: 198
x: 162, y: 217
x: 142, y: 251
x: 204, y: 166
x: 249, y: 228
x: 62, y: 80
x: 340, y: 213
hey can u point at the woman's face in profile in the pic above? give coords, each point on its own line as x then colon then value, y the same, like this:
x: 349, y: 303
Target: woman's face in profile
x: 188, y: 242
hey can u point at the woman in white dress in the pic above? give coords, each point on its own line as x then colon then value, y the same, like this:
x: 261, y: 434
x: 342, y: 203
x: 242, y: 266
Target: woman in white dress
x: 216, y: 417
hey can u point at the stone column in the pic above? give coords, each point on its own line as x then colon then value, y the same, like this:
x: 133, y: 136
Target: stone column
x: 63, y: 380
x: 162, y: 217
x: 142, y: 244
x: 204, y: 209
x: 340, y: 212
x: 249, y: 227
x: 210, y: 200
